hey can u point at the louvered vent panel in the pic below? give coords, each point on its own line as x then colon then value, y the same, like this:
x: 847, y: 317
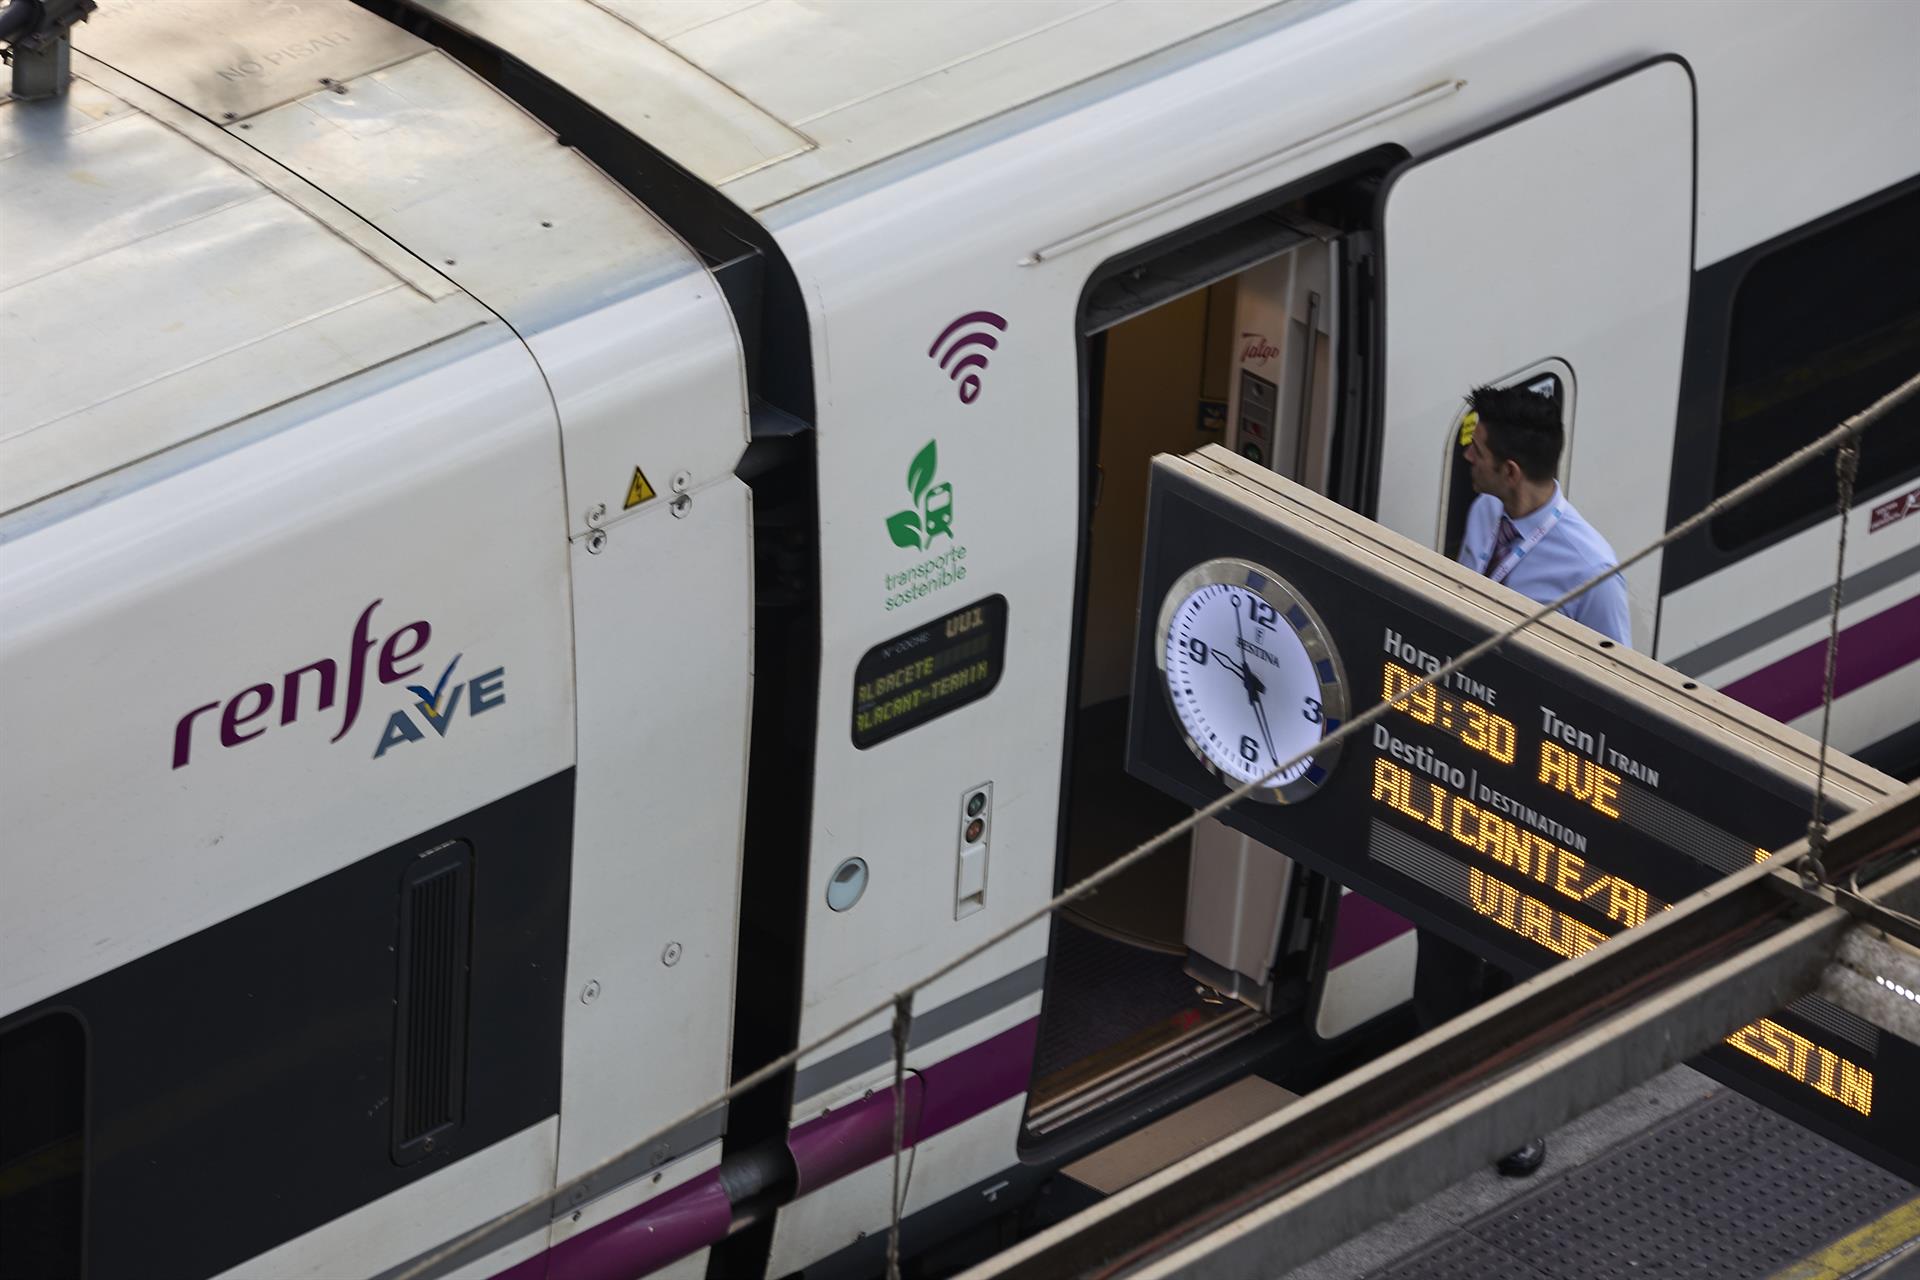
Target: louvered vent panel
x: 430, y: 1053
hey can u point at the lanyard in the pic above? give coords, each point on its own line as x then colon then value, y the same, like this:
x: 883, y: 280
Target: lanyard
x: 1526, y: 544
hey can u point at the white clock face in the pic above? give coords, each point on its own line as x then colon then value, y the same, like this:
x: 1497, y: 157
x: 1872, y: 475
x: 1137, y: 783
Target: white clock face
x: 1250, y: 676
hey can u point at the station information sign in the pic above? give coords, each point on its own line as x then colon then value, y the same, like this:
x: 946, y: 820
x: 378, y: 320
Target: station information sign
x: 1541, y: 800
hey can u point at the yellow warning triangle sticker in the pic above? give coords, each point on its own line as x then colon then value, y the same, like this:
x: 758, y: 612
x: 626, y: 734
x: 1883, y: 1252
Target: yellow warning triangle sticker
x: 639, y: 491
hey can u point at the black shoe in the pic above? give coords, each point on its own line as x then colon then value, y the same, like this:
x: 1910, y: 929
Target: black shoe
x: 1522, y: 1163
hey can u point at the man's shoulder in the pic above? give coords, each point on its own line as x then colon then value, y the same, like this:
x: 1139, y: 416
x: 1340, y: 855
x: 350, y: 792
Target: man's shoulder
x: 1484, y: 509
x: 1584, y: 535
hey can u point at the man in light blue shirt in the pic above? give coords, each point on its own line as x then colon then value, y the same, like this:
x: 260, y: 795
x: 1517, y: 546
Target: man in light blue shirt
x: 1521, y: 530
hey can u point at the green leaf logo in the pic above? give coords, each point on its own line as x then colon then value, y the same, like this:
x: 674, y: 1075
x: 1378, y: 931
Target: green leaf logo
x: 932, y: 512
x: 920, y: 471
x: 905, y: 528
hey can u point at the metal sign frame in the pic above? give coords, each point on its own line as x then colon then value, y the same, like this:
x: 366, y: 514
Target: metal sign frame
x: 1562, y: 790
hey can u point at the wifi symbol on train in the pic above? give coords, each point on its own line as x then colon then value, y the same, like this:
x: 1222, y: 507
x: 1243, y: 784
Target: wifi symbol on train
x: 965, y: 356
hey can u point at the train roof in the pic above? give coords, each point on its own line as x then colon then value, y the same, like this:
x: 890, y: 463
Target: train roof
x: 766, y: 99
x: 236, y: 205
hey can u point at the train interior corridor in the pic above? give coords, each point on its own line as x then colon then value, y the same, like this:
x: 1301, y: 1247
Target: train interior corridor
x: 1243, y: 360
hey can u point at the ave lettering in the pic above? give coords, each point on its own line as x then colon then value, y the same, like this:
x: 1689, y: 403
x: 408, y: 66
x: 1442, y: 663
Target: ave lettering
x: 483, y: 693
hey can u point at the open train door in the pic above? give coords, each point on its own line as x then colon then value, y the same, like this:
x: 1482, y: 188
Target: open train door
x: 1554, y: 251
x: 1561, y: 240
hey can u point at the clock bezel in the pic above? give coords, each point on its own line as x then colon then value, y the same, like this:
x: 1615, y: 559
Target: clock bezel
x: 1308, y: 630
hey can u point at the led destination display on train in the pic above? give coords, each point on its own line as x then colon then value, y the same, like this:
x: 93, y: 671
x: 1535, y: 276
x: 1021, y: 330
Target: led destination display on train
x: 929, y: 671
x: 1528, y: 807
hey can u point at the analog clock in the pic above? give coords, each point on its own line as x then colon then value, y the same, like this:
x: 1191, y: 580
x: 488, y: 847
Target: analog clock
x: 1251, y: 676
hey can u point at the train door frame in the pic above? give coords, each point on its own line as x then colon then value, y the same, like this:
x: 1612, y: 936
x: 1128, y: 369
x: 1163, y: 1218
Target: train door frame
x: 1130, y: 284
x: 1177, y: 263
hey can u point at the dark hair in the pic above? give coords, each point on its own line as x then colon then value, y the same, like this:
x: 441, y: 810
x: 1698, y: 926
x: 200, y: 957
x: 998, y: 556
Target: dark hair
x: 1526, y: 427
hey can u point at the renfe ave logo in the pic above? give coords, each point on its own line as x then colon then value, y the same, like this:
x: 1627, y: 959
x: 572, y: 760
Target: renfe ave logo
x: 243, y: 717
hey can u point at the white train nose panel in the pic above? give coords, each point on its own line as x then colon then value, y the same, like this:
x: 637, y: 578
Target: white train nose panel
x: 503, y: 404
x: 638, y: 350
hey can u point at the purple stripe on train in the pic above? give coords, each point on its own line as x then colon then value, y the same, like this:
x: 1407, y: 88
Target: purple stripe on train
x: 697, y: 1213
x: 1869, y: 649
x: 830, y: 1147
x: 1360, y: 925
x: 689, y: 1217
x: 939, y: 1097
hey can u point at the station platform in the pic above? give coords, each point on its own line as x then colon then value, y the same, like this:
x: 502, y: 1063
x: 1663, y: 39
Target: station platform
x: 1680, y: 1177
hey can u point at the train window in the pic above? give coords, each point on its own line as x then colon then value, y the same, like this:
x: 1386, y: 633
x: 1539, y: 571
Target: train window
x: 1820, y: 329
x: 42, y: 1146
x: 1550, y: 378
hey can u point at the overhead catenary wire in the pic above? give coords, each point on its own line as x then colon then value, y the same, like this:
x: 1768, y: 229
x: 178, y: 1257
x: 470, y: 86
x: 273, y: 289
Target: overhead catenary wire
x: 1846, y: 432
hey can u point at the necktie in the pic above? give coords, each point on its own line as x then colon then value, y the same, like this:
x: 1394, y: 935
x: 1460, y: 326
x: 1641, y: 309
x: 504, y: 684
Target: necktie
x: 1502, y: 543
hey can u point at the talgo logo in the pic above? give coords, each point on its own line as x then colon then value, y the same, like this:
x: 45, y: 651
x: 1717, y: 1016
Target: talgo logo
x: 315, y: 687
x: 932, y: 514
x: 1256, y: 349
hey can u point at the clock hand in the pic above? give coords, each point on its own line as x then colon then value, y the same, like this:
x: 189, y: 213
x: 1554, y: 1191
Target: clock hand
x: 1254, y: 687
x: 1260, y: 714
x: 1246, y: 672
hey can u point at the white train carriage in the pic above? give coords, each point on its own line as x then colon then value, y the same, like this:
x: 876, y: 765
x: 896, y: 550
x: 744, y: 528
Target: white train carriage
x: 552, y: 552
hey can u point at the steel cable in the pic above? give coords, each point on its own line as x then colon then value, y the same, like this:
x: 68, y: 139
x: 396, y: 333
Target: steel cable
x: 1846, y: 465
x: 902, y: 1024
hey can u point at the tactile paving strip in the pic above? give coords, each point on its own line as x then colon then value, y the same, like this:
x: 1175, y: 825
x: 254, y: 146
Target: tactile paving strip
x: 1465, y: 1257
x: 1724, y: 1189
